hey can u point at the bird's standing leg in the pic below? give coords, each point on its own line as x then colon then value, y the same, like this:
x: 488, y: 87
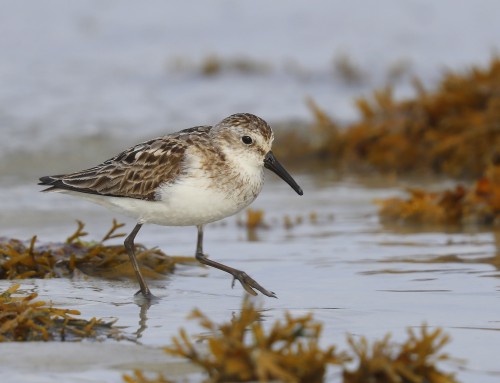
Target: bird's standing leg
x: 129, y: 245
x: 248, y: 283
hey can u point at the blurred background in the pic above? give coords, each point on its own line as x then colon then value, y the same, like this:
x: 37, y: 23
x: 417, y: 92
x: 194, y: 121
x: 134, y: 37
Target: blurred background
x: 82, y: 80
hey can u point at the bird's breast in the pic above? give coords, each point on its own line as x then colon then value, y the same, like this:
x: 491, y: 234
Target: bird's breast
x: 198, y: 197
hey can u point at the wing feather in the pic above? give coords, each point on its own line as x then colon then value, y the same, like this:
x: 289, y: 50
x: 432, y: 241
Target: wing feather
x: 136, y: 172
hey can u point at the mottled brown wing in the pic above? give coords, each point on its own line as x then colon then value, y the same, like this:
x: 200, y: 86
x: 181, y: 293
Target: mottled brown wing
x: 134, y: 173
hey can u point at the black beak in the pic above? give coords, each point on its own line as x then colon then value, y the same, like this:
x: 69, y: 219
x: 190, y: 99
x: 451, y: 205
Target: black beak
x: 272, y: 163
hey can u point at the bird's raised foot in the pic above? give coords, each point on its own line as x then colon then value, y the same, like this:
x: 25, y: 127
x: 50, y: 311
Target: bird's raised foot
x: 249, y: 284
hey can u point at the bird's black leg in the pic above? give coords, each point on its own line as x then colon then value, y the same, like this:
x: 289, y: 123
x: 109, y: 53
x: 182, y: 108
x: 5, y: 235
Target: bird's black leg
x: 129, y: 245
x: 248, y: 283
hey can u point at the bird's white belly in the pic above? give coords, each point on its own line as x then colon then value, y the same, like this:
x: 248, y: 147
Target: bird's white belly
x: 188, y: 203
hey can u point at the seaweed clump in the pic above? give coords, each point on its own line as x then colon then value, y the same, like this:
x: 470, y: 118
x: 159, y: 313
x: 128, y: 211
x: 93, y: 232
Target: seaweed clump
x: 242, y: 350
x: 478, y: 205
x: 254, y: 219
x: 139, y: 377
x: 414, y: 361
x: 28, y: 260
x: 25, y: 319
x: 452, y: 131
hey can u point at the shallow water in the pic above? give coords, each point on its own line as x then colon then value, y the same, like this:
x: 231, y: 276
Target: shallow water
x: 83, y: 80
x: 354, y: 275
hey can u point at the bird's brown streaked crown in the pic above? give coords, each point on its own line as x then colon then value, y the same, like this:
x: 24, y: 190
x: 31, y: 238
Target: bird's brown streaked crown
x: 250, y: 121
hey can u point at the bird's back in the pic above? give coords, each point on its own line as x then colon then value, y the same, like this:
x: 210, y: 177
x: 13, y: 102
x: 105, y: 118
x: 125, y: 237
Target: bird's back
x: 136, y: 172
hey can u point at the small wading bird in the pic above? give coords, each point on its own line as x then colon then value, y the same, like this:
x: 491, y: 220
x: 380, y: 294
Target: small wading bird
x: 189, y: 178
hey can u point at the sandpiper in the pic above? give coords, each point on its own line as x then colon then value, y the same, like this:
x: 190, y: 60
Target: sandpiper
x: 189, y: 178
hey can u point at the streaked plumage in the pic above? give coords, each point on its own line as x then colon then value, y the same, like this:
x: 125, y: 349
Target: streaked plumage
x: 193, y: 177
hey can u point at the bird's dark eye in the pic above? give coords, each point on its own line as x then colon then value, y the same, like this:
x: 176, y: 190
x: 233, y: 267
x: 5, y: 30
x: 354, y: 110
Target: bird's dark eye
x: 247, y: 140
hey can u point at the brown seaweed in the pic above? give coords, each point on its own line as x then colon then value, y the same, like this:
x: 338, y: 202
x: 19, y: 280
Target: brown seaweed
x: 478, y: 205
x: 20, y: 260
x: 413, y: 361
x: 451, y: 131
x: 243, y: 350
x: 23, y: 318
